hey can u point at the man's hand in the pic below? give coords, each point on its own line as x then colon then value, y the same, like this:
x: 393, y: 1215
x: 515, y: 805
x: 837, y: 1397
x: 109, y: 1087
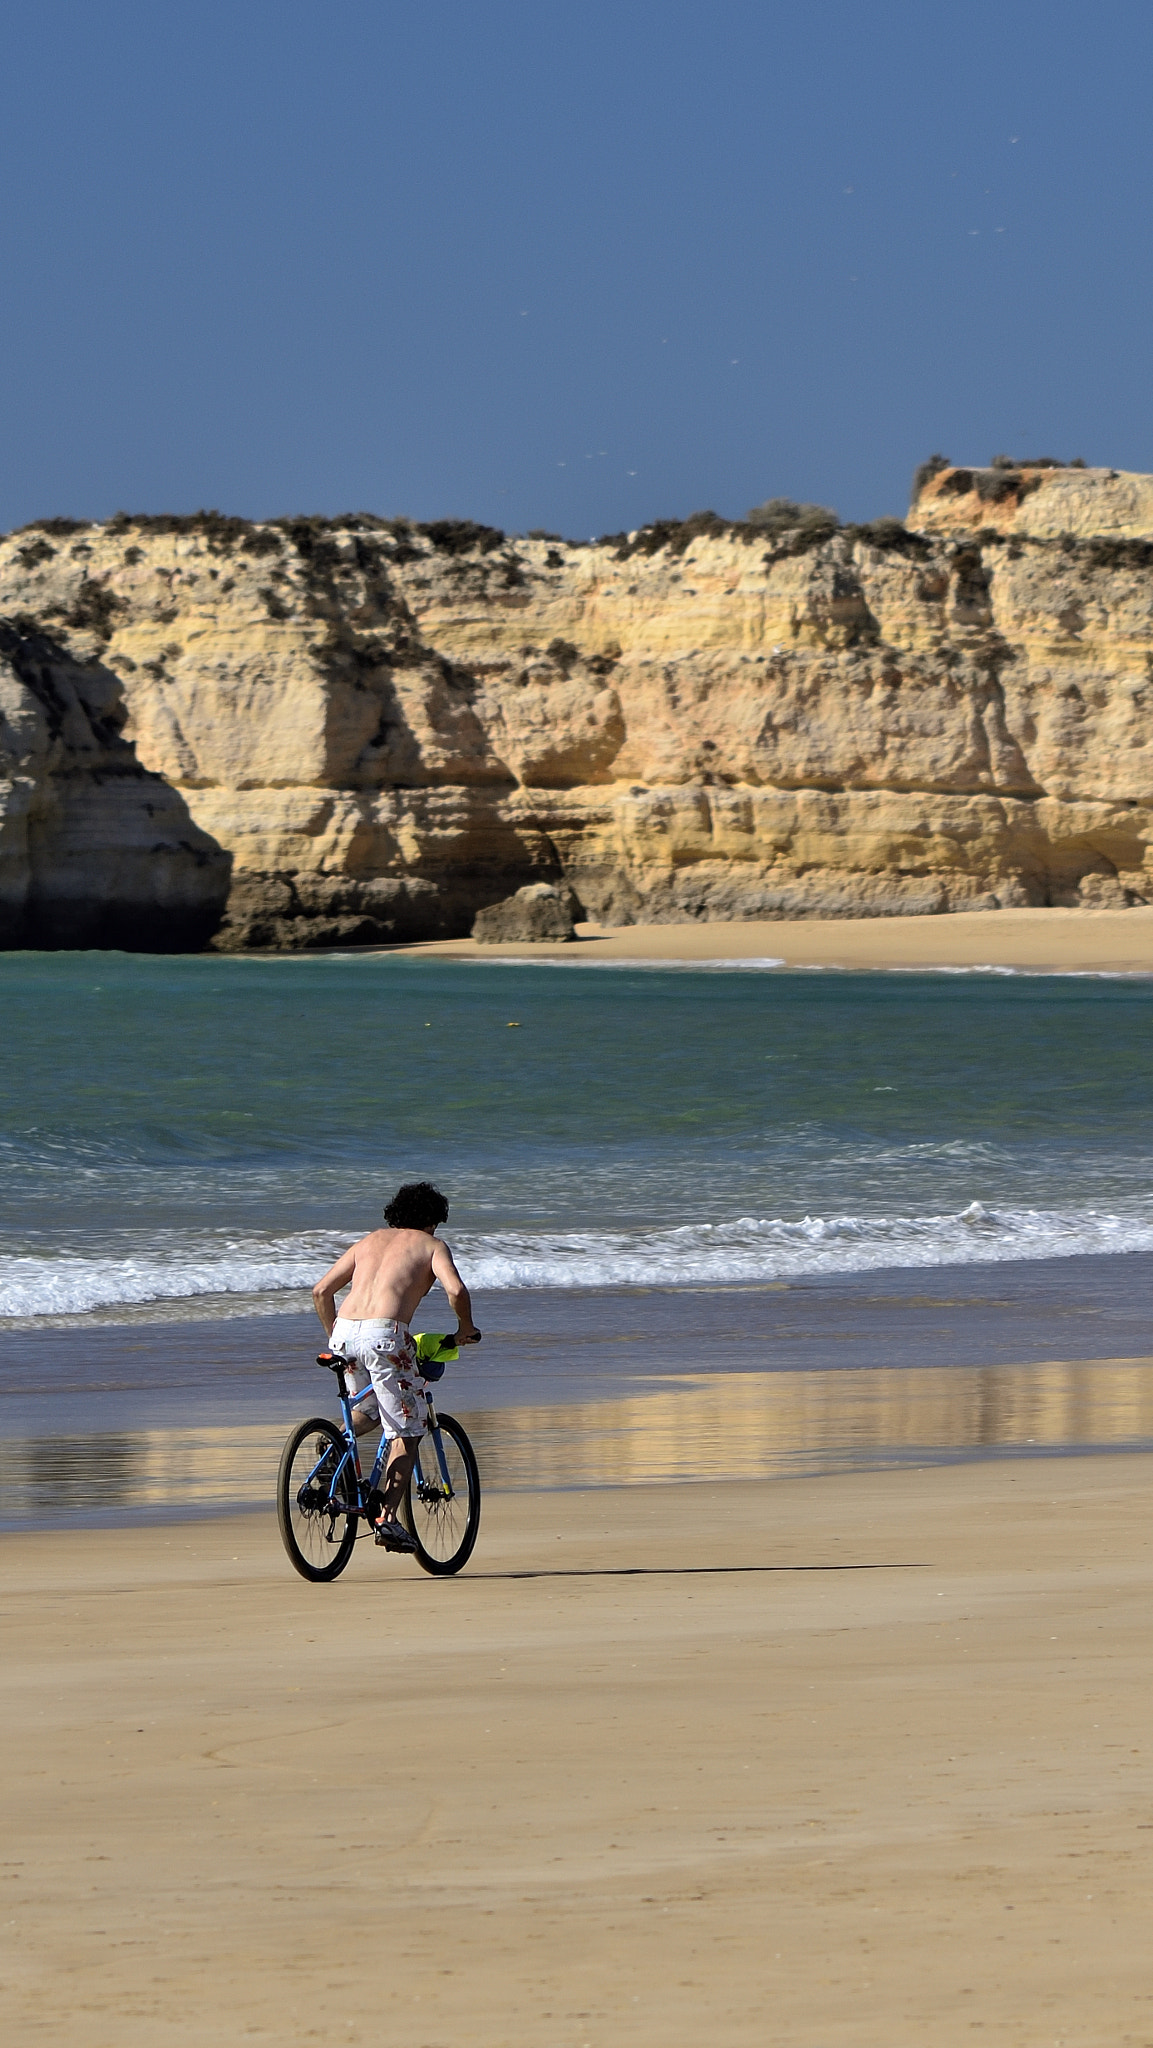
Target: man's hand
x: 468, y: 1336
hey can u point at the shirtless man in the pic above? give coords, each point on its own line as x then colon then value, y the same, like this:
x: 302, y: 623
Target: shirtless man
x: 391, y: 1271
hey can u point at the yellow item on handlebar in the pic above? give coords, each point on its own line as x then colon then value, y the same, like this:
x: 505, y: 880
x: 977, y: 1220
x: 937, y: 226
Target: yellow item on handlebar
x: 434, y: 1352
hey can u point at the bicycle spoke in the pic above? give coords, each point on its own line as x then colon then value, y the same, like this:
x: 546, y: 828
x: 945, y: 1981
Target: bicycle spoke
x: 317, y: 1487
x: 443, y: 1513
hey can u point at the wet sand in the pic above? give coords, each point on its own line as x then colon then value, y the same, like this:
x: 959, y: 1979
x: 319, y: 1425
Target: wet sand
x: 590, y: 1389
x: 1037, y: 941
x: 688, y: 1428
x: 575, y: 1344
x: 838, y: 1760
x: 607, y: 1387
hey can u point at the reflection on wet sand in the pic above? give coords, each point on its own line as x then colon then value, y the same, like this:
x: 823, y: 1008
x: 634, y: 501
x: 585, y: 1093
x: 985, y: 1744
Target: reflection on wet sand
x: 750, y: 1425
x: 46, y: 1479
x: 692, y: 1425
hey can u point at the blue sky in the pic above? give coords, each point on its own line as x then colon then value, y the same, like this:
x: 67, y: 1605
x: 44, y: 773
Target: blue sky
x: 565, y: 266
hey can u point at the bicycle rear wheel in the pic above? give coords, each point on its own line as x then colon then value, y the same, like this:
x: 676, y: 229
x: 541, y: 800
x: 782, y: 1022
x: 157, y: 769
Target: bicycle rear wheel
x: 443, y: 1512
x: 316, y: 1531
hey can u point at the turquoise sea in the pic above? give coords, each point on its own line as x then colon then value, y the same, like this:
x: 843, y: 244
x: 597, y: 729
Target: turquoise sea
x: 185, y: 1143
x: 205, y: 1131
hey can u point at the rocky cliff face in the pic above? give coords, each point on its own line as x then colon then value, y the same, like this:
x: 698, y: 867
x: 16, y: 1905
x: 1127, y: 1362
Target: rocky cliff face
x: 374, y: 729
x: 94, y: 851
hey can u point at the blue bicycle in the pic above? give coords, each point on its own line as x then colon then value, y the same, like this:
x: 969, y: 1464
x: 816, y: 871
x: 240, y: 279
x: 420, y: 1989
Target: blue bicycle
x: 324, y: 1502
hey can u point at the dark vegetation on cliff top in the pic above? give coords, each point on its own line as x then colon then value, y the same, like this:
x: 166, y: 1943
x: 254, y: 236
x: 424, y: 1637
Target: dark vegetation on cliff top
x: 1007, y: 476
x: 789, y: 528
x: 223, y: 532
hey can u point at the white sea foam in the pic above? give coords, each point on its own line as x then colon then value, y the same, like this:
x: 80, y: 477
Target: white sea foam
x: 169, y: 1269
x: 768, y: 963
x: 774, y: 1248
x: 757, y: 965
x: 748, y: 1249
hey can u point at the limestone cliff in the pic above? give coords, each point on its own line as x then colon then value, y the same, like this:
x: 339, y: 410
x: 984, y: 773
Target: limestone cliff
x: 94, y: 851
x: 383, y: 727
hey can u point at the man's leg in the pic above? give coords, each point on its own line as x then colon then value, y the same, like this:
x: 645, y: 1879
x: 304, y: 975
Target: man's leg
x: 366, y: 1410
x: 403, y: 1411
x: 401, y: 1454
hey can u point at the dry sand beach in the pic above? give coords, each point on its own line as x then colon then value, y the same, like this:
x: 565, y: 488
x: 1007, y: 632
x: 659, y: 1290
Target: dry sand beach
x: 856, y: 1757
x: 859, y: 1760
x: 1035, y: 941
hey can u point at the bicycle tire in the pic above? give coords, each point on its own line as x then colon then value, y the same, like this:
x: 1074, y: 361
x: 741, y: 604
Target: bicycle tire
x: 445, y: 1528
x: 308, y: 1529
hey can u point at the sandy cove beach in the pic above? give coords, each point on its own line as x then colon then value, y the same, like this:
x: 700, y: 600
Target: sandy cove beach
x: 1054, y: 941
x: 853, y: 1760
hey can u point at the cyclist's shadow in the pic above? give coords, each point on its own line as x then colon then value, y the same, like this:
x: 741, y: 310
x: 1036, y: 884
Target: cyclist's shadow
x: 688, y: 1571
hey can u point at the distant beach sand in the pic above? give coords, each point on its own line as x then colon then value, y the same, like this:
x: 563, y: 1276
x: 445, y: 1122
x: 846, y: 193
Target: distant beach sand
x: 1052, y: 941
x: 844, y: 1760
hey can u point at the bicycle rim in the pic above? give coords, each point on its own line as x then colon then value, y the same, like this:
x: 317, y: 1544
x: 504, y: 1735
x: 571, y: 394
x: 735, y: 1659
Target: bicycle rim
x: 316, y: 1532
x: 444, y: 1518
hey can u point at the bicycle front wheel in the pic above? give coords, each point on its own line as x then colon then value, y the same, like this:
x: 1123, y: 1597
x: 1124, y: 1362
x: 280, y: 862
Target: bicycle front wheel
x: 442, y: 1500
x: 317, y: 1533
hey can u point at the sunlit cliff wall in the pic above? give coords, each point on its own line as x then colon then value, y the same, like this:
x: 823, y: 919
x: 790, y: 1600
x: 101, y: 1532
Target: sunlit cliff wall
x: 372, y: 729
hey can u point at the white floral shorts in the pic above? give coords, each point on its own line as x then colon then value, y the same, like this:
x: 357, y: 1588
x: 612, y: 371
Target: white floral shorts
x: 382, y: 1354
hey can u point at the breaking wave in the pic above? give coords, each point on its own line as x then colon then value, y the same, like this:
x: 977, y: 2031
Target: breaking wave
x: 172, y: 1268
x: 256, y: 1271
x: 771, y: 1248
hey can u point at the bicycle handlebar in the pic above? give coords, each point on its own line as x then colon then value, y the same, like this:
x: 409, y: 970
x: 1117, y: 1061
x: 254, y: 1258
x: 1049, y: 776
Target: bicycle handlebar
x: 336, y: 1362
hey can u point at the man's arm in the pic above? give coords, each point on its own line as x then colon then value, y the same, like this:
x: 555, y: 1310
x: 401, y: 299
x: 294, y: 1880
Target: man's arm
x: 457, y: 1292
x: 326, y: 1290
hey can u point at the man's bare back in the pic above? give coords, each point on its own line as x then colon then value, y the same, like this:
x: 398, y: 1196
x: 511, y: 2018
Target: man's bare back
x: 390, y: 1272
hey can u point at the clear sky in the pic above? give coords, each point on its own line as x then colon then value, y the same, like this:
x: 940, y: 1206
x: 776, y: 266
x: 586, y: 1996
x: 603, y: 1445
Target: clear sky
x: 570, y: 264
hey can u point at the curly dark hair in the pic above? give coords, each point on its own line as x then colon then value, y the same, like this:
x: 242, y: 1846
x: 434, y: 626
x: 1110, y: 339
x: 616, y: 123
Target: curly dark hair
x: 416, y: 1206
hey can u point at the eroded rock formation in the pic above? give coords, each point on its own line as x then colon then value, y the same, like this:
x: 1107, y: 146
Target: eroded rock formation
x: 385, y: 727
x: 540, y: 913
x: 94, y: 850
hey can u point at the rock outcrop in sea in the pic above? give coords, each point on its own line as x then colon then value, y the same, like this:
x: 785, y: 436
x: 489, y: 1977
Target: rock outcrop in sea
x: 538, y: 913
x: 311, y: 732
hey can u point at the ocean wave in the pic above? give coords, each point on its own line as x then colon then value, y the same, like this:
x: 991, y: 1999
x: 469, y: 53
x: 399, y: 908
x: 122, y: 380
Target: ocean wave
x: 773, y: 1248
x: 70, y: 1283
x: 757, y: 964
x: 748, y: 1249
x: 769, y: 963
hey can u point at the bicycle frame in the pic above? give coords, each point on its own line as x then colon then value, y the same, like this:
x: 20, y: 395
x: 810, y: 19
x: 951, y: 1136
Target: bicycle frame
x: 349, y: 1465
